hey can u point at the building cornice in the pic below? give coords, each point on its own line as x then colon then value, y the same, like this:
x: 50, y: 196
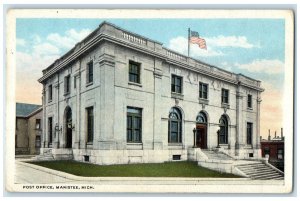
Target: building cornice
x: 158, y: 52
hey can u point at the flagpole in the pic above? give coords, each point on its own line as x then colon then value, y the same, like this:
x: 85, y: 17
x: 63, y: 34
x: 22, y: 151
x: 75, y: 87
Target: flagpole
x: 189, y: 35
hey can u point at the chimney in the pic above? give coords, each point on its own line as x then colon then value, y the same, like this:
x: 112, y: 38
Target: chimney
x: 260, y: 137
x: 275, y: 134
x: 282, y: 133
x: 269, y: 137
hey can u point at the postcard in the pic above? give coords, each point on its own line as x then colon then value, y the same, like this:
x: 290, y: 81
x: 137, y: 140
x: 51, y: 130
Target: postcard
x: 149, y: 100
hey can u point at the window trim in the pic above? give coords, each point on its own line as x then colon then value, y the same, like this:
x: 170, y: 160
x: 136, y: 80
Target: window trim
x: 266, y: 151
x: 40, y: 123
x: 138, y: 74
x: 132, y: 128
x: 251, y: 102
x: 226, y: 130
x: 179, y: 122
x: 50, y: 98
x: 280, y: 149
x: 225, y: 90
x: 50, y: 128
x: 201, y: 85
x: 75, y: 82
x: 181, y: 84
x: 67, y: 84
x: 249, y: 139
x: 90, y: 139
x: 88, y: 81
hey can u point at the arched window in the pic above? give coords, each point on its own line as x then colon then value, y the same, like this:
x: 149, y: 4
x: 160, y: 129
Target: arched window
x: 175, y: 125
x: 201, y: 118
x: 223, y: 130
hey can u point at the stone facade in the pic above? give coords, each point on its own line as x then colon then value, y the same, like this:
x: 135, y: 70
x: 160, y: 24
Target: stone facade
x: 110, y: 94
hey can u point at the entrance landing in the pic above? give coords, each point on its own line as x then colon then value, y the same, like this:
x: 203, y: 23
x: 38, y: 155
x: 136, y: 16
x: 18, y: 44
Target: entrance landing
x: 219, y: 161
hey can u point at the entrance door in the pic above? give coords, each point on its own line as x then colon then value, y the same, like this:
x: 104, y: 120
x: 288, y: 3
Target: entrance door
x: 201, y: 139
x: 69, y: 128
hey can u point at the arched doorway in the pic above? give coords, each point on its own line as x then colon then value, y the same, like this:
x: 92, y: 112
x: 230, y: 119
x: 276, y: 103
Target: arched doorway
x: 223, y: 139
x: 68, y: 127
x: 201, y: 130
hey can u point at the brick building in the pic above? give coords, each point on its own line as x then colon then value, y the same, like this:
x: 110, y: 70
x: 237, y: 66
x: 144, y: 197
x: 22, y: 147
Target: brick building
x: 273, y: 148
x: 28, y: 129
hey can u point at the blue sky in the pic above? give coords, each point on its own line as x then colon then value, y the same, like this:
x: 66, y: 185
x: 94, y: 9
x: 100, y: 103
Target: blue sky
x: 265, y: 34
x: 253, y: 47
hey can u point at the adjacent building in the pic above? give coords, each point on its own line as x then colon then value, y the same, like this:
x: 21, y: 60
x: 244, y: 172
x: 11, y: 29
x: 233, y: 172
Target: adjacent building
x: 28, y: 128
x: 273, y: 149
x: 118, y: 97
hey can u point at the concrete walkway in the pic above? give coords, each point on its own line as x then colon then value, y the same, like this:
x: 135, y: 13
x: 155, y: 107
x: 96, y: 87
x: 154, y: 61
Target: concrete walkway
x: 28, y: 175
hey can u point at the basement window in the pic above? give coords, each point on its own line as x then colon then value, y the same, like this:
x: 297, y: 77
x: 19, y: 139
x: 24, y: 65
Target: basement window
x: 251, y: 155
x: 176, y: 157
x: 86, y: 158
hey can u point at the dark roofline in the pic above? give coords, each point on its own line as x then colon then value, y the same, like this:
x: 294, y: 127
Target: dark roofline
x: 37, y: 109
x: 31, y: 114
x: 35, y: 112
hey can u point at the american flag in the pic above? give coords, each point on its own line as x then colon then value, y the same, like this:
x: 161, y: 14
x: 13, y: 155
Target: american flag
x: 197, y: 40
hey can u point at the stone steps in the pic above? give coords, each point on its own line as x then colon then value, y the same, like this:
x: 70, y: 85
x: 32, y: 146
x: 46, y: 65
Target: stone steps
x: 45, y: 157
x: 260, y: 171
x: 214, y: 155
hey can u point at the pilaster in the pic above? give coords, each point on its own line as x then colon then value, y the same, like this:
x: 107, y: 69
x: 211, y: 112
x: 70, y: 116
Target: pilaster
x: 157, y: 135
x: 105, y: 139
x: 56, y: 120
x: 239, y: 118
x: 257, y: 142
x: 78, y: 119
x: 44, y: 135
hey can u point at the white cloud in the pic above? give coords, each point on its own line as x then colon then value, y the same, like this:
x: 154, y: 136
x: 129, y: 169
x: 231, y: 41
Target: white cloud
x: 45, y: 49
x: 68, y: 39
x: 21, y: 42
x: 43, y: 52
x: 36, y: 39
x: 226, y: 66
x: 28, y: 70
x: 180, y: 44
x: 229, y: 41
x: 267, y: 66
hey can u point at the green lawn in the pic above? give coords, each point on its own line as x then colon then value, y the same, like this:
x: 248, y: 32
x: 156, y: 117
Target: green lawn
x: 168, y: 169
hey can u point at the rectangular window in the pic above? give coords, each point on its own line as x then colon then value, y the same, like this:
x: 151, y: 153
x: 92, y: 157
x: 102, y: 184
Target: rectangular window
x: 134, y: 72
x: 249, y: 133
x: 249, y: 101
x: 75, y: 83
x: 225, y: 96
x: 50, y: 125
x: 90, y: 124
x: 266, y: 151
x: 16, y: 124
x: 280, y: 154
x: 134, y: 124
x: 38, y: 124
x: 67, y: 84
x: 50, y: 93
x: 90, y: 72
x: 203, y: 90
x: 38, y: 141
x: 176, y: 84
